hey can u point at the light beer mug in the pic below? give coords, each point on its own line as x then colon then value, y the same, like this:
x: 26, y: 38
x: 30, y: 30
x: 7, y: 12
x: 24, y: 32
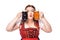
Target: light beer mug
x: 36, y: 15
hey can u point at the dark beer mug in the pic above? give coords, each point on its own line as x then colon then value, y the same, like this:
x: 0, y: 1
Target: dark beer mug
x: 24, y: 16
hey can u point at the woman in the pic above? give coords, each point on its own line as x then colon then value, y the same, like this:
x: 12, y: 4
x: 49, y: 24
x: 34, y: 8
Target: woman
x: 29, y: 30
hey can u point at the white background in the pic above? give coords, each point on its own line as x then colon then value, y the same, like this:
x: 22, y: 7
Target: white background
x: 9, y: 9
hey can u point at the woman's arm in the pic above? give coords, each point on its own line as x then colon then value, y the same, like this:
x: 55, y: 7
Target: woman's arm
x: 45, y: 24
x: 13, y: 24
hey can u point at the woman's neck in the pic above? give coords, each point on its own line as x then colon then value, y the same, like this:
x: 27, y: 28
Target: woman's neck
x: 30, y: 21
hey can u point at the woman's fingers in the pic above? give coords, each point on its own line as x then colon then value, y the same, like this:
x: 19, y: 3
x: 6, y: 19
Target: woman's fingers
x: 41, y: 14
x: 19, y: 15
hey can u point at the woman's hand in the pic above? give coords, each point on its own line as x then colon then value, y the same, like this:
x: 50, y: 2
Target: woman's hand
x: 41, y: 15
x: 19, y: 15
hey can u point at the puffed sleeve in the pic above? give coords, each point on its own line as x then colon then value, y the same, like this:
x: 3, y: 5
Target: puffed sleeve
x: 19, y: 21
x: 41, y: 24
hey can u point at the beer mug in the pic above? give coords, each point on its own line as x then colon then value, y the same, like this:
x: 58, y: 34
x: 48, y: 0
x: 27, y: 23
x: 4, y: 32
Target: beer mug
x: 36, y: 15
x: 24, y: 16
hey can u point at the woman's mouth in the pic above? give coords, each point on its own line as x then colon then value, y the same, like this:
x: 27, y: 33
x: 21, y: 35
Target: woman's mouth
x: 30, y: 15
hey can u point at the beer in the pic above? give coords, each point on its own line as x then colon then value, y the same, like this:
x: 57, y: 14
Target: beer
x: 24, y: 16
x: 36, y: 15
